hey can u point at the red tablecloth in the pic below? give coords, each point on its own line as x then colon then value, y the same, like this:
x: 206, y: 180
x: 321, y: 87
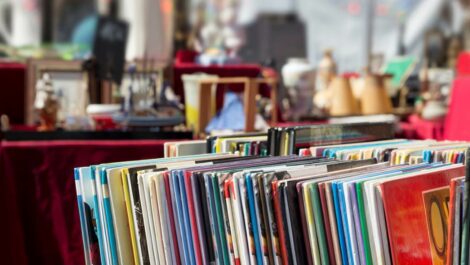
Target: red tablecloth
x: 39, y: 216
x: 417, y: 128
x: 12, y: 91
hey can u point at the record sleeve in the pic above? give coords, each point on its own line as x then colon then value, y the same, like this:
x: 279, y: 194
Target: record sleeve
x: 186, y: 177
x: 119, y: 215
x: 239, y: 219
x: 311, y: 235
x: 254, y: 218
x: 181, y: 231
x: 232, y: 238
x: 452, y: 218
x: 303, y: 219
x: 147, y: 218
x: 137, y: 215
x: 130, y: 219
x: 82, y: 214
x: 156, y: 217
x: 209, y: 239
x: 333, y: 257
x: 217, y: 185
x: 266, y: 218
x: 406, y: 201
x: 168, y: 244
x: 105, y: 251
x: 90, y: 210
x: 186, y: 219
x: 247, y: 219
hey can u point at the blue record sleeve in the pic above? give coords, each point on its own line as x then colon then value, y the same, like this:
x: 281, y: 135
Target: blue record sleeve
x: 98, y: 210
x: 339, y: 223
x: 109, y: 217
x: 179, y: 219
x: 82, y: 215
x: 186, y: 220
x: 352, y: 255
x: 254, y: 220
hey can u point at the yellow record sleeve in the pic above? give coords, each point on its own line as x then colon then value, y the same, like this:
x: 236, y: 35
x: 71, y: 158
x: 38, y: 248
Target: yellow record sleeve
x: 127, y: 199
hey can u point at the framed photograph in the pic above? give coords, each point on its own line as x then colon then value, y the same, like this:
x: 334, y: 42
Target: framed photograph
x: 69, y: 83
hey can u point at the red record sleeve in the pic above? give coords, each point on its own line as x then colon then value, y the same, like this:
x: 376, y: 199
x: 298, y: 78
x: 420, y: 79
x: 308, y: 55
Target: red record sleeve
x: 416, y: 214
x: 279, y: 223
x: 450, y: 241
x: 192, y: 217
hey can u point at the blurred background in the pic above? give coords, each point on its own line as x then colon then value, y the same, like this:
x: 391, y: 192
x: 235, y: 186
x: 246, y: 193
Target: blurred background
x: 90, y: 81
x: 413, y: 44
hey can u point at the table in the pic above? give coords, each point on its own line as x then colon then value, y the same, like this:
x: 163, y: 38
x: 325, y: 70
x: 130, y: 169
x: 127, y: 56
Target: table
x: 40, y: 223
x: 12, y: 91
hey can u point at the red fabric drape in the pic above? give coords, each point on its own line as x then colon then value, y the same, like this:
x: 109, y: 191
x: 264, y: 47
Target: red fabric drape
x: 12, y: 91
x: 40, y: 222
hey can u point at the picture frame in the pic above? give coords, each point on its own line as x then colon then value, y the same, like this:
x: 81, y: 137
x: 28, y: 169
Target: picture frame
x: 68, y: 74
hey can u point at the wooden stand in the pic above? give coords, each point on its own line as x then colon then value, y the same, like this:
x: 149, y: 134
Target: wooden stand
x: 250, y: 90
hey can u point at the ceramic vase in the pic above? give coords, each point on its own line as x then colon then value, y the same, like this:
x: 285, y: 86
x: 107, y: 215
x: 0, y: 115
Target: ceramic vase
x: 343, y: 102
x: 374, y: 98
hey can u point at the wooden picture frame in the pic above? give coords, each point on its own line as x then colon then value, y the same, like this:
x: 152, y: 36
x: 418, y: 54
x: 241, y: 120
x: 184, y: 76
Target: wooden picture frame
x: 36, y: 68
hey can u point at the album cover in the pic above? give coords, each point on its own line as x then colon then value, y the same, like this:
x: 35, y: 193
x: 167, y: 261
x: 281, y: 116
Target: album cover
x: 247, y: 219
x: 333, y: 253
x: 128, y: 206
x: 137, y: 223
x: 452, y: 219
x: 179, y: 175
x: 305, y: 204
x: 181, y: 231
x: 465, y: 225
x: 209, y: 240
x: 232, y: 237
x: 418, y: 201
x: 263, y: 233
x: 82, y: 214
x: 198, y: 214
x: 147, y: 217
x: 263, y: 183
x: 223, y: 211
x: 119, y: 216
x: 156, y: 217
x: 185, y: 177
x: 313, y: 191
x: 167, y: 236
x: 236, y: 201
x: 98, y: 208
x: 219, y: 214
x: 288, y: 241
x: 254, y: 218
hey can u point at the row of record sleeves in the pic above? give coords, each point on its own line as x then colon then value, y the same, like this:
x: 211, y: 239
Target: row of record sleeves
x: 377, y: 202
x: 284, y: 140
